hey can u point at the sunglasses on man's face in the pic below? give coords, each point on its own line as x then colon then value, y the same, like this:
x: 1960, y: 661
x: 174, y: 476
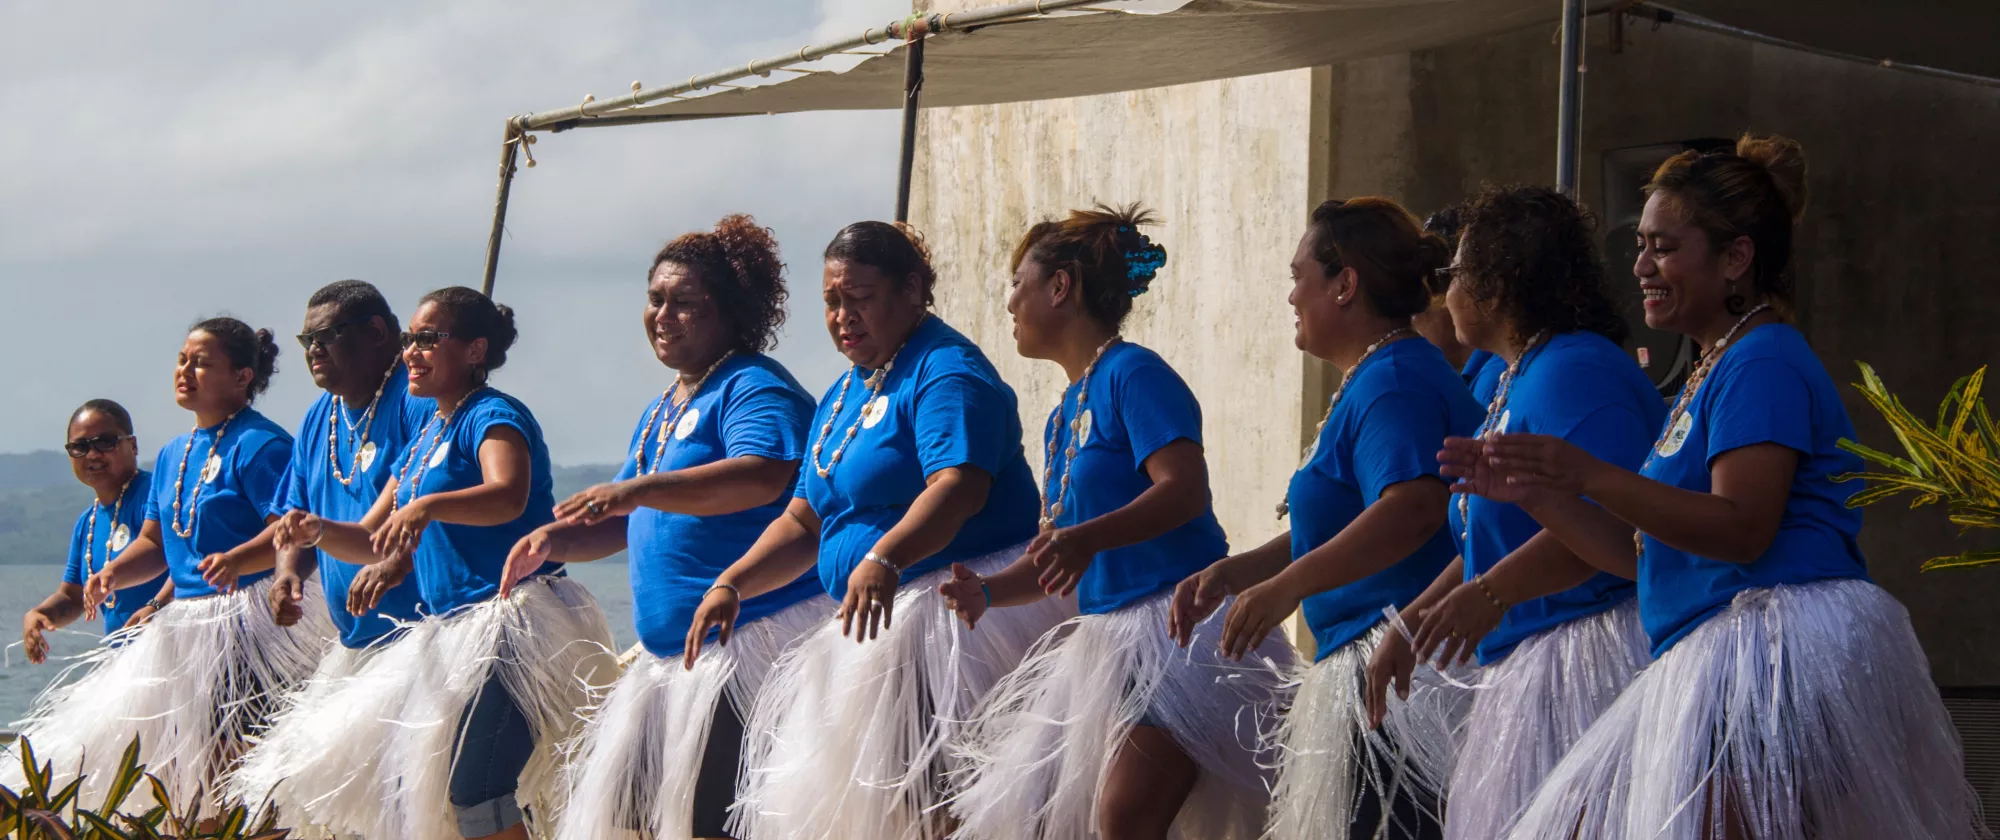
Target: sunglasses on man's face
x: 101, y: 443
x: 424, y: 339
x: 326, y: 336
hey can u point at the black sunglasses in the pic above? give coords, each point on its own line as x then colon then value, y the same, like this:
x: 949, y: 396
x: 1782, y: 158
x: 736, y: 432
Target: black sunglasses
x: 101, y: 443
x: 326, y: 336
x: 424, y: 339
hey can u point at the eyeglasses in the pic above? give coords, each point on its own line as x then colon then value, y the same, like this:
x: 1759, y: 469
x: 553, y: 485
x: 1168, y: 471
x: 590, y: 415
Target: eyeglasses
x: 326, y: 336
x: 1450, y: 272
x: 424, y: 339
x: 101, y: 443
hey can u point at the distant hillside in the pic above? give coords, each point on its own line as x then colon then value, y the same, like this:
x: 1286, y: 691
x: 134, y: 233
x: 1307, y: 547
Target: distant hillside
x: 39, y: 501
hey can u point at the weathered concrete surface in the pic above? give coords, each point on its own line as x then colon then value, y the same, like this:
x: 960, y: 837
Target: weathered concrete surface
x: 1224, y: 164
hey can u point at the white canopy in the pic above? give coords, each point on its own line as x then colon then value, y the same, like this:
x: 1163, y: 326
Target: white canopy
x: 1022, y: 55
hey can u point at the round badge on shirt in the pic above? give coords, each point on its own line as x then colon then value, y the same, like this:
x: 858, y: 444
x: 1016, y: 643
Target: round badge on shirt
x: 121, y: 536
x: 367, y: 455
x: 211, y: 468
x: 875, y: 411
x: 1678, y: 436
x: 443, y: 451
x: 687, y: 423
x: 1501, y: 427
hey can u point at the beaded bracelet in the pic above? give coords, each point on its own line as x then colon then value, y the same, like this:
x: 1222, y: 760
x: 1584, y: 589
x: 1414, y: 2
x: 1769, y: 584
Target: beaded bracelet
x: 731, y: 587
x: 987, y: 591
x: 872, y: 557
x: 1481, y: 583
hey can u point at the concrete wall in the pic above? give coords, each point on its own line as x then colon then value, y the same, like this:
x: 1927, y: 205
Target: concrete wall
x: 1225, y: 166
x: 1896, y: 253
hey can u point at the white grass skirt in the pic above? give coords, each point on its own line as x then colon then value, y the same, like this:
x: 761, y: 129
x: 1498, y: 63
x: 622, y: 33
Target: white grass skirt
x: 1038, y: 752
x: 636, y: 764
x: 550, y: 645
x: 848, y: 740
x: 1327, y: 754
x: 309, y: 765
x: 1531, y: 708
x: 1798, y: 712
x: 193, y: 684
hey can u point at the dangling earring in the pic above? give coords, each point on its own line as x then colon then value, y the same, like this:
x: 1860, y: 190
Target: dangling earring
x: 1735, y: 302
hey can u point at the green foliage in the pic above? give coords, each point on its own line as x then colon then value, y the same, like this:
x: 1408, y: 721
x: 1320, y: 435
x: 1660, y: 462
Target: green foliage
x: 37, y: 813
x: 1954, y: 460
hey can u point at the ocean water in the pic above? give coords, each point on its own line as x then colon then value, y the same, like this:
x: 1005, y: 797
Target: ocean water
x: 22, y: 587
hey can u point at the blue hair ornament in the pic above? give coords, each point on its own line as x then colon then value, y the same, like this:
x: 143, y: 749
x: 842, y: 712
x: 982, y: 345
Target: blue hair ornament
x: 1143, y: 259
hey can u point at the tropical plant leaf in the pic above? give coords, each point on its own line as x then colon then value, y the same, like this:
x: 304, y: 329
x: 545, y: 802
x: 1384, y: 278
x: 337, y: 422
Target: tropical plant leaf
x: 125, y: 780
x: 48, y: 824
x: 273, y: 834
x: 1875, y: 456
x: 143, y: 828
x: 104, y: 828
x: 64, y: 797
x: 233, y: 822
x: 155, y: 816
x: 1968, y: 560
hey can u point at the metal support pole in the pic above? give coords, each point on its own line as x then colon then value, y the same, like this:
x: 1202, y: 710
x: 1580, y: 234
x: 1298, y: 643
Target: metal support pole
x: 1569, y: 119
x: 913, y: 88
x: 510, y: 146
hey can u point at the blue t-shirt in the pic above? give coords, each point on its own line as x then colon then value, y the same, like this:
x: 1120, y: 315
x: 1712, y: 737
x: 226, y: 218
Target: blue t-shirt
x: 118, y: 525
x: 1397, y: 408
x: 367, y: 454
x: 1582, y: 388
x: 749, y: 407
x: 225, y: 494
x: 460, y: 565
x: 1134, y: 405
x: 1768, y: 387
x: 942, y: 406
x: 1482, y: 374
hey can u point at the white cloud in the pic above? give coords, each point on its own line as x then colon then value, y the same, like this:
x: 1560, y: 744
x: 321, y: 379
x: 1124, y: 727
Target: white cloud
x: 175, y: 160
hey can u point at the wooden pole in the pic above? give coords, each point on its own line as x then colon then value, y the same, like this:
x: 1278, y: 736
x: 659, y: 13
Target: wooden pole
x: 510, y: 147
x: 1569, y: 118
x: 913, y: 88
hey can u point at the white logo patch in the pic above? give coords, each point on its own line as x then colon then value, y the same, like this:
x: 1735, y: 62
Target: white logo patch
x: 1678, y: 436
x: 367, y: 455
x: 211, y: 468
x: 873, y: 413
x: 121, y: 536
x: 1500, y: 428
x: 1083, y: 429
x: 687, y: 423
x: 443, y: 451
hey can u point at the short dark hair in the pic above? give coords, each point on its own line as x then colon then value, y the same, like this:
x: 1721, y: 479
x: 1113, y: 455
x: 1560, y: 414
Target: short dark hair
x: 1531, y: 250
x: 893, y: 249
x: 119, y: 416
x: 739, y: 267
x: 355, y: 300
x: 250, y: 348
x: 1393, y: 257
x: 475, y: 316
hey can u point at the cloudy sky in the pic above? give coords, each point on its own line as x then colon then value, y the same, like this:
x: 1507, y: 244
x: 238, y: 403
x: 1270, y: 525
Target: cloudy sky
x: 169, y: 161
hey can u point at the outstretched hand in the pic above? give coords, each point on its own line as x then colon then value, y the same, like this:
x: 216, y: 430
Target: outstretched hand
x: 965, y: 594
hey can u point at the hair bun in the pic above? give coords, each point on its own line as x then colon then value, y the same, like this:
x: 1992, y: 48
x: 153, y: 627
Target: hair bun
x: 1143, y: 259
x: 1785, y: 160
x: 916, y: 238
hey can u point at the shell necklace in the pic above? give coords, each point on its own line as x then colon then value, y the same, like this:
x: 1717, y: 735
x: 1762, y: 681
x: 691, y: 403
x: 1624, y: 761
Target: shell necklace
x: 874, y: 385
x: 1496, y: 413
x: 1695, y: 378
x: 403, y: 478
x: 1305, y: 454
x: 680, y: 396
x: 1052, y: 508
x: 214, y: 456
x: 357, y: 433
x: 90, y: 535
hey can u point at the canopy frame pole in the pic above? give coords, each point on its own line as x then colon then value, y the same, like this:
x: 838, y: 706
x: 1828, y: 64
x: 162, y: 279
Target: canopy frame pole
x: 913, y: 88
x: 1569, y: 107
x: 510, y: 148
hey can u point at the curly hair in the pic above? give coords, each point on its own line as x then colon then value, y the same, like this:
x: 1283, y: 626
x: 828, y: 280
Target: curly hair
x: 739, y: 266
x: 1103, y: 248
x: 896, y: 250
x: 1531, y: 251
x: 1393, y: 257
x: 1757, y: 190
x: 1445, y: 224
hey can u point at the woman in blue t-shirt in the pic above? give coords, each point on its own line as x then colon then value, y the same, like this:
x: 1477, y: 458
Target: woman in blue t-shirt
x: 462, y: 701
x: 915, y: 464
x: 1367, y: 510
x: 1789, y: 692
x: 1108, y: 728
x: 104, y: 454
x: 713, y: 461
x: 1556, y: 639
x: 204, y: 675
